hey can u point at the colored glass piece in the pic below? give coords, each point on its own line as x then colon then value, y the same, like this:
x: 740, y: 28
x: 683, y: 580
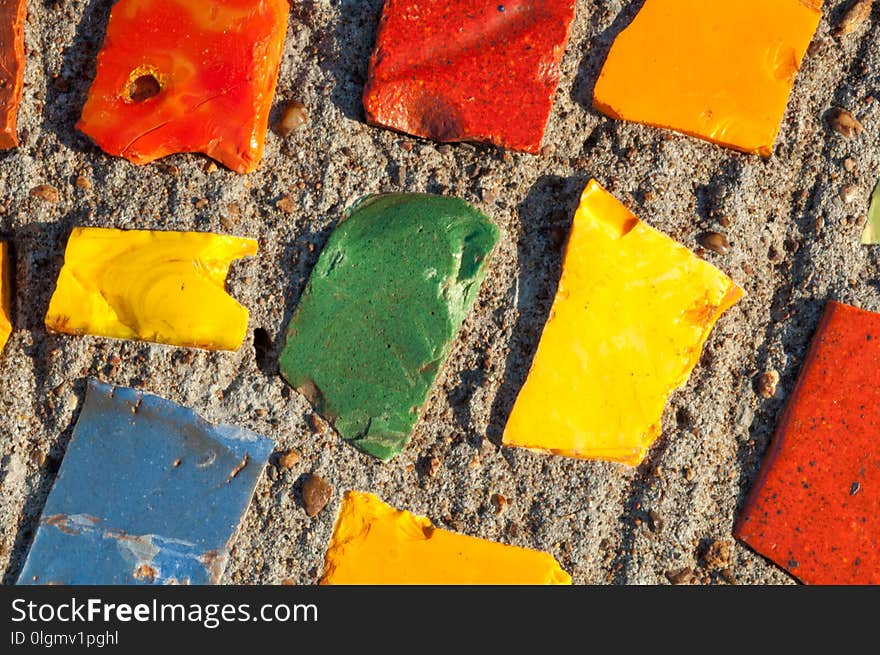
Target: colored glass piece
x: 473, y: 70
x: 381, y: 310
x: 5, y: 295
x: 627, y: 327
x: 148, y: 493
x: 815, y: 508
x: 13, y: 14
x: 721, y: 71
x: 376, y: 544
x: 165, y: 287
x: 182, y: 76
x: 871, y: 233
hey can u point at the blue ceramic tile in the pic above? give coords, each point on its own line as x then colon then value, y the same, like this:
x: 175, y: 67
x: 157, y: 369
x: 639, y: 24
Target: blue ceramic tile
x: 148, y: 492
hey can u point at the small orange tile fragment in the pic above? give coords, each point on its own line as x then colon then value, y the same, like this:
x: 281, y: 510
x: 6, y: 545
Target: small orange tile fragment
x: 5, y: 295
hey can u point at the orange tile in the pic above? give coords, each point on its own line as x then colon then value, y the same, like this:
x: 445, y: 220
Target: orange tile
x: 721, y: 70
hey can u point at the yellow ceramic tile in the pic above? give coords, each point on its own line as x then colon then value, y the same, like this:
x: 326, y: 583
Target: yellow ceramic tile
x: 5, y: 295
x: 165, y: 287
x: 374, y: 543
x: 631, y: 314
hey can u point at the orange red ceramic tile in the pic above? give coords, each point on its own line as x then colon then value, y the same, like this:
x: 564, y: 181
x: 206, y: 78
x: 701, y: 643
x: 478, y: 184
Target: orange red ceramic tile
x: 472, y: 70
x: 180, y: 76
x: 13, y: 14
x: 814, y: 508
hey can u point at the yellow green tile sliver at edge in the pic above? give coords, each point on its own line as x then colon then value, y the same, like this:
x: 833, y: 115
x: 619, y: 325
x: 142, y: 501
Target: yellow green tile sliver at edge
x: 871, y: 233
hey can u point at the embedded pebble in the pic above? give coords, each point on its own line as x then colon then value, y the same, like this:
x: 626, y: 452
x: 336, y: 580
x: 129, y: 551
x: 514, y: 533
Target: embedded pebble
x: 849, y: 193
x: 680, y: 576
x: 292, y: 118
x: 854, y: 17
x: 316, y: 492
x: 844, y: 123
x: 289, y: 458
x: 715, y: 242
x: 46, y: 192
x: 767, y: 384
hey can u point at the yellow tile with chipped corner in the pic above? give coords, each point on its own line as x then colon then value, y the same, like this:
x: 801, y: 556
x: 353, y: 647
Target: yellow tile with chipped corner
x: 631, y: 314
x: 164, y: 287
x: 721, y: 71
x: 5, y: 294
x: 374, y: 543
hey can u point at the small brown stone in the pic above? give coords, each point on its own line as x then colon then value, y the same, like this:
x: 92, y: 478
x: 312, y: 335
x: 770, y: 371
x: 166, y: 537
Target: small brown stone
x: 767, y: 384
x: 46, y: 192
x: 83, y: 182
x: 201, y: 203
x: 289, y: 458
x: 719, y: 555
x: 285, y: 204
x: 680, y: 576
x: 499, y: 502
x: 849, y: 164
x: 292, y: 118
x: 316, y: 492
x: 854, y: 17
x: 715, y: 242
x: 843, y: 122
x: 317, y: 423
x: 849, y: 193
x: 432, y: 466
x: 209, y: 167
x: 689, y: 474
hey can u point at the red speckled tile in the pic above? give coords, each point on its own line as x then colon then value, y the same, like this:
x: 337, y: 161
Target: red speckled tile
x: 471, y: 70
x: 815, y: 507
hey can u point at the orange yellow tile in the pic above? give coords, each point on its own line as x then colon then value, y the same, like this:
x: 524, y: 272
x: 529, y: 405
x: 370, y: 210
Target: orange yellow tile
x: 631, y: 314
x: 721, y: 70
x: 374, y: 543
x: 5, y: 294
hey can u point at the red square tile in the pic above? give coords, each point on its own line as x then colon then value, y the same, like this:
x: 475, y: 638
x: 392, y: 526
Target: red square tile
x: 471, y: 70
x: 815, y: 507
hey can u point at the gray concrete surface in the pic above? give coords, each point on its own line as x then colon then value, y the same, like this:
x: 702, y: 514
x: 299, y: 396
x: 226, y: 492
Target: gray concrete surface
x: 795, y: 245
